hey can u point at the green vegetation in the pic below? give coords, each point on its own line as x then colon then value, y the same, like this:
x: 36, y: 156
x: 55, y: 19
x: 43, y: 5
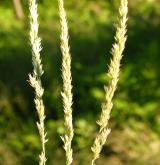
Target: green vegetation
x: 135, y: 119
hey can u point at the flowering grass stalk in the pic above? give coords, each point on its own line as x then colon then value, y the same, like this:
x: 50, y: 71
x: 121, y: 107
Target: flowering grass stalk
x: 35, y: 77
x: 113, y: 73
x: 67, y: 85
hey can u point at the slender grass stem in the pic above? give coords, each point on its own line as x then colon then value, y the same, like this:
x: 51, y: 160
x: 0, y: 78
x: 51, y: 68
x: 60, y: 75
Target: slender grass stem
x: 35, y: 77
x: 113, y: 73
x: 67, y: 85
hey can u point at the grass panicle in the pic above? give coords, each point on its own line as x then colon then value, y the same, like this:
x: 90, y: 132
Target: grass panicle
x: 113, y: 73
x: 67, y: 85
x: 35, y: 77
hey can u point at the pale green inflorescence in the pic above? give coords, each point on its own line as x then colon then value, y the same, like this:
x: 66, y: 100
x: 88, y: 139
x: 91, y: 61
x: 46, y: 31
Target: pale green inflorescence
x: 35, y: 77
x: 113, y: 73
x: 67, y: 85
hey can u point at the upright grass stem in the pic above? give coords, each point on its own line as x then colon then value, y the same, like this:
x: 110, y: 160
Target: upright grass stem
x: 113, y: 73
x: 67, y: 85
x: 35, y: 77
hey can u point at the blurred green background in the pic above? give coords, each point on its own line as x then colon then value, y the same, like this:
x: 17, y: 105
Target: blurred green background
x: 135, y: 119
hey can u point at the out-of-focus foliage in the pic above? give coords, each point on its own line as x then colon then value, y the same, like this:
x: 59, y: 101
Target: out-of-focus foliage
x: 136, y: 114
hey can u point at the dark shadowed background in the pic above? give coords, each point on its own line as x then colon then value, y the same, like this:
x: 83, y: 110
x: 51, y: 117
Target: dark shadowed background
x: 135, y: 119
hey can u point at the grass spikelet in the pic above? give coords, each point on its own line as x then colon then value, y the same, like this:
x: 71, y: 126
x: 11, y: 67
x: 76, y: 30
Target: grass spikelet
x: 113, y: 73
x: 35, y: 77
x: 67, y: 85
